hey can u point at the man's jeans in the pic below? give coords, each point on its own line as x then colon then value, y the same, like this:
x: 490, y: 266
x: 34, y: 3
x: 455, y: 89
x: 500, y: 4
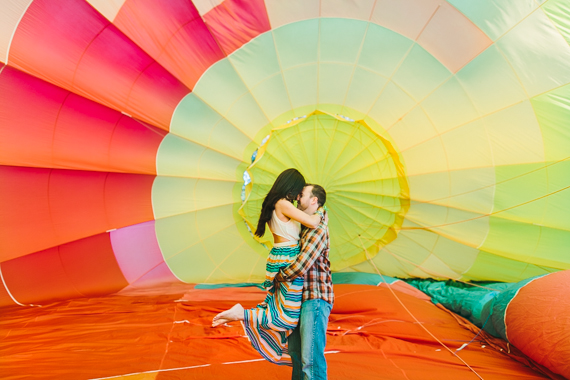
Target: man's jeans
x: 308, y: 340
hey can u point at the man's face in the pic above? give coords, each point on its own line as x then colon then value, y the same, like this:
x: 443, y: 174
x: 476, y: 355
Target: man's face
x: 305, y: 198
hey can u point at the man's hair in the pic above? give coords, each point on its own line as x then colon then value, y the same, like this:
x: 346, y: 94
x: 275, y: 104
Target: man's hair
x: 319, y: 192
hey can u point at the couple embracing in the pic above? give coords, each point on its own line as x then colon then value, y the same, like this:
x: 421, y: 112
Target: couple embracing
x: 289, y: 327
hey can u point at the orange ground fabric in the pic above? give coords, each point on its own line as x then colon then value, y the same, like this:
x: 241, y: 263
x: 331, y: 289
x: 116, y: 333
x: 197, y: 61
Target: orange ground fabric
x: 167, y: 336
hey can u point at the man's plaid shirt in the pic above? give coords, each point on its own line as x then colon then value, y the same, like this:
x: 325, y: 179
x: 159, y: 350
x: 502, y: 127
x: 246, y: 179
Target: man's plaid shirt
x: 313, y: 263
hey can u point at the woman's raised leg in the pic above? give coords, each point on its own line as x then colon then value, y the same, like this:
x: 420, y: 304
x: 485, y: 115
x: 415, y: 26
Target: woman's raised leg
x: 233, y: 314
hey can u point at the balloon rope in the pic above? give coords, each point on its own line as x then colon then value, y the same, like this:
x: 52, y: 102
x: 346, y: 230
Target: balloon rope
x: 475, y: 337
x: 411, y: 315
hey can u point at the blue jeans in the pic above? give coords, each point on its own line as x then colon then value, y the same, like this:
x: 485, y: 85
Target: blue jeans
x: 308, y: 340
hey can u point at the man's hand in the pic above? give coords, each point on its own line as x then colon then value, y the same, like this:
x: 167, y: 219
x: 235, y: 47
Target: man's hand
x: 279, y: 277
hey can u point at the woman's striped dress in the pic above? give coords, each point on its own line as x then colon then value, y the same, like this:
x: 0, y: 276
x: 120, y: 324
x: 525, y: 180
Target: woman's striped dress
x: 270, y: 323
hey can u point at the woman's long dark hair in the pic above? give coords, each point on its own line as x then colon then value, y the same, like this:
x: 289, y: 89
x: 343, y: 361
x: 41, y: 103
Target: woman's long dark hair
x: 288, y: 185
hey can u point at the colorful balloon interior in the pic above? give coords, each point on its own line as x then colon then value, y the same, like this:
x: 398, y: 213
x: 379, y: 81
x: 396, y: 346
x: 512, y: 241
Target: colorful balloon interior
x: 139, y: 138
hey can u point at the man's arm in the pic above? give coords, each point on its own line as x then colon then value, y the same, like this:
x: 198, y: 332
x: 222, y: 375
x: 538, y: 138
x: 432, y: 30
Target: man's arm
x: 311, y: 248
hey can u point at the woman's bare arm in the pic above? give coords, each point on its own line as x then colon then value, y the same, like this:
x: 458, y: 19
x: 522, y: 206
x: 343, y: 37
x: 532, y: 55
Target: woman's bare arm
x: 290, y: 211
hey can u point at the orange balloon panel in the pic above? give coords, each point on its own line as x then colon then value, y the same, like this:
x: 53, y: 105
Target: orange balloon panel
x: 43, y: 208
x: 538, y: 318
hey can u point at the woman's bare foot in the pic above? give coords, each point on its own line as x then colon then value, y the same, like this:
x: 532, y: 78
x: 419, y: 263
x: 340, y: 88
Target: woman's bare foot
x: 233, y: 314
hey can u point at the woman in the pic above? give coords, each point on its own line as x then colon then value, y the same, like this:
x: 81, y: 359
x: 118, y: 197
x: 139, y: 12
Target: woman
x: 270, y: 323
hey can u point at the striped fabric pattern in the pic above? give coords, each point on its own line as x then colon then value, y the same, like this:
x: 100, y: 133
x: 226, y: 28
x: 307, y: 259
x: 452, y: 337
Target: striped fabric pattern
x: 270, y: 323
x: 313, y: 263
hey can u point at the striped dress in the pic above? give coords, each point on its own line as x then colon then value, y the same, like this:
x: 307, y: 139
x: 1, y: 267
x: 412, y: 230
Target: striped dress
x: 270, y: 323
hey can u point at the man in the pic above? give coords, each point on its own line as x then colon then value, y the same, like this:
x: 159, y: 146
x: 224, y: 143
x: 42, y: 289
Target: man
x: 308, y: 340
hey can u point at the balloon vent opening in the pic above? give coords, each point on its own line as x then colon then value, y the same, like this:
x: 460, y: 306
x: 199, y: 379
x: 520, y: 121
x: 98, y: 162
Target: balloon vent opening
x: 367, y: 189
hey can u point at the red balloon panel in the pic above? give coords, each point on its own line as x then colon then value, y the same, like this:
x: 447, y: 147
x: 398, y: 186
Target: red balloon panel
x: 173, y: 33
x: 29, y: 108
x: 5, y: 299
x: 128, y: 197
x: 45, y: 126
x: 70, y: 44
x: 83, y: 268
x: 236, y: 22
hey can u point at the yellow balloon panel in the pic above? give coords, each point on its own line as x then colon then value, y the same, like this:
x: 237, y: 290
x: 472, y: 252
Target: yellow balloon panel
x: 207, y: 246
x: 413, y: 129
x: 420, y: 73
x: 461, y: 127
x: 449, y: 106
x: 491, y: 82
x: 492, y: 267
x: 515, y: 135
x: 540, y: 64
x: 476, y: 154
x: 174, y: 195
x: 392, y: 103
x: 365, y: 87
x: 196, y: 121
x: 182, y: 158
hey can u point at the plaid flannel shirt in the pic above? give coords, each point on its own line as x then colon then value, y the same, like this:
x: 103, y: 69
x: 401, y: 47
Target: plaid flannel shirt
x: 313, y: 263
